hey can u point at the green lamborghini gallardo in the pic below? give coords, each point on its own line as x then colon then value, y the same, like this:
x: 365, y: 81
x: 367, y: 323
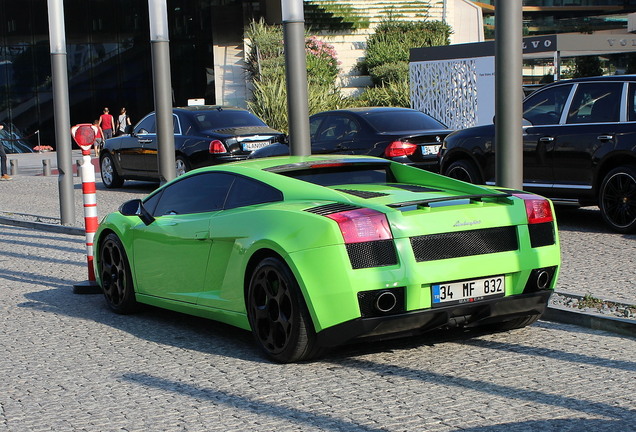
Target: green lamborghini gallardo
x: 312, y: 252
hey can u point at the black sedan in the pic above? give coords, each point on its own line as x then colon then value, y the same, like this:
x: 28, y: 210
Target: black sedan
x: 203, y: 135
x: 400, y: 134
x: 579, y: 144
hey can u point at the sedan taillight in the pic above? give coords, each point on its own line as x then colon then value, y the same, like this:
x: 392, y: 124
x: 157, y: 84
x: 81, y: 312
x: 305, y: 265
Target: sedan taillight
x: 538, y: 209
x: 217, y: 147
x: 362, y: 225
x: 400, y: 148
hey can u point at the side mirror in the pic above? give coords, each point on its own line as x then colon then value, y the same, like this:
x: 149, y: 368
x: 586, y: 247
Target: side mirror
x: 141, y: 132
x: 136, y: 208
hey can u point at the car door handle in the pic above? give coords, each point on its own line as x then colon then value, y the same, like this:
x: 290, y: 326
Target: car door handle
x: 605, y: 137
x: 144, y: 141
x: 546, y: 139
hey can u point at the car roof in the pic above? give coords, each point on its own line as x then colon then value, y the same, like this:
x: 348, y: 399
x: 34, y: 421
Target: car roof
x: 368, y: 110
x: 631, y: 78
x: 195, y: 108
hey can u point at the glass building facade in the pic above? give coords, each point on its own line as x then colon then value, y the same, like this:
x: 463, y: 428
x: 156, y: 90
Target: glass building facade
x: 109, y: 58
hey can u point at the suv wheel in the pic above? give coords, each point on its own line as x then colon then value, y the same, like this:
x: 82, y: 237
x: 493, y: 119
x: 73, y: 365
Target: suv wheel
x: 464, y: 170
x: 617, y: 199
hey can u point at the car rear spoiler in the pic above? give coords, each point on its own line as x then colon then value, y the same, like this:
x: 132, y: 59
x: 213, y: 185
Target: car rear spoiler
x: 429, y: 201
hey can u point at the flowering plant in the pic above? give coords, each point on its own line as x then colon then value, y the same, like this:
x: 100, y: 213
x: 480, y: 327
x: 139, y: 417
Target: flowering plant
x: 321, y: 60
x: 41, y: 148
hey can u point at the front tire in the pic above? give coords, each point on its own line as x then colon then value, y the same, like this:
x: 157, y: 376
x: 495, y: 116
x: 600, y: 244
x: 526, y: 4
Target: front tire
x: 110, y: 176
x: 278, y: 315
x: 617, y: 199
x: 115, y: 275
x: 464, y: 170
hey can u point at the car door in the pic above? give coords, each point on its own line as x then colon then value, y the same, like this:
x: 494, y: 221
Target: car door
x: 544, y: 111
x: 171, y: 254
x: 151, y: 145
x: 592, y: 124
x: 131, y: 149
x: 230, y: 232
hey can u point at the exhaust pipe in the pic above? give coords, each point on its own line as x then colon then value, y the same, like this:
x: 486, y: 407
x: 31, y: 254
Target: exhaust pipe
x: 385, y: 302
x: 543, y: 278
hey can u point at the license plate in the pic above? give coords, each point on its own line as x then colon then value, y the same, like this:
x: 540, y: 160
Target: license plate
x: 255, y: 145
x: 468, y: 291
x: 430, y: 150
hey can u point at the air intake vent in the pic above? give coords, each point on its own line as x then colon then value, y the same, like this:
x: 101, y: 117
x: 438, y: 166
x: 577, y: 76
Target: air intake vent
x: 372, y: 254
x: 541, y: 234
x: 414, y: 188
x: 328, y: 209
x: 362, y: 194
x: 464, y: 243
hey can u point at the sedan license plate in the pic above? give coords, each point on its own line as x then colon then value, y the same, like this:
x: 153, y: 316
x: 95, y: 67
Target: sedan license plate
x: 468, y: 291
x: 430, y: 150
x: 255, y: 145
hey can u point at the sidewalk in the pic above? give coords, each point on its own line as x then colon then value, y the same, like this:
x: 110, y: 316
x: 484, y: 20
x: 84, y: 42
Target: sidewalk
x: 595, y: 262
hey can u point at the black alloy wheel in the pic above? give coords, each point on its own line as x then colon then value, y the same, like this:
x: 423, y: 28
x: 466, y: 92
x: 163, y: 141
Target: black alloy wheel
x: 464, y: 170
x: 278, y: 315
x: 116, y: 277
x: 617, y: 199
x: 110, y: 177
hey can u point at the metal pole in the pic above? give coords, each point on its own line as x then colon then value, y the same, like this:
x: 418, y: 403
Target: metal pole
x: 508, y: 94
x: 162, y: 82
x: 296, y: 75
x: 59, y: 74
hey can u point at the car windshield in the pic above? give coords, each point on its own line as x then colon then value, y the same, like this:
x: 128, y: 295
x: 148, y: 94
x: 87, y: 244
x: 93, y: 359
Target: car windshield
x: 395, y: 121
x: 221, y: 119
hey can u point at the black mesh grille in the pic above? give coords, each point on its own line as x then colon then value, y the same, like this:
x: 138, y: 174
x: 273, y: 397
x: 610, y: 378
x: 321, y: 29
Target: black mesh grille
x: 363, y: 194
x: 414, y: 188
x: 541, y: 234
x: 464, y: 243
x: 328, y: 209
x: 372, y: 254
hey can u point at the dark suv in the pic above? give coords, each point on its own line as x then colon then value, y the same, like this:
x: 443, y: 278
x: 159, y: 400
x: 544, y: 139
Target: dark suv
x: 579, y: 143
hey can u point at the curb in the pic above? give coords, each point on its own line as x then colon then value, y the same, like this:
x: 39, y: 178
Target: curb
x: 60, y: 229
x: 589, y: 320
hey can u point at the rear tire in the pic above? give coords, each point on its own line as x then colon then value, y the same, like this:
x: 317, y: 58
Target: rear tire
x: 464, y: 170
x: 617, y: 199
x: 278, y: 314
x: 110, y: 176
x: 182, y: 166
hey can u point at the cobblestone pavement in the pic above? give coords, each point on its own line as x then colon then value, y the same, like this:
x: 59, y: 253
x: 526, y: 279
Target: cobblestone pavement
x: 69, y: 364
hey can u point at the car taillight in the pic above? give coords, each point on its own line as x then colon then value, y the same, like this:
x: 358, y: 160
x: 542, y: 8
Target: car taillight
x: 362, y: 225
x: 400, y: 148
x: 216, y: 147
x: 538, y: 209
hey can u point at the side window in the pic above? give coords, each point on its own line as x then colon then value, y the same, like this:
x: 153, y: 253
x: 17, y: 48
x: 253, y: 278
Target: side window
x: 314, y: 126
x: 146, y: 126
x: 245, y: 192
x: 195, y: 194
x: 545, y: 106
x: 596, y: 103
x: 176, y: 125
x: 337, y: 128
x: 631, y: 103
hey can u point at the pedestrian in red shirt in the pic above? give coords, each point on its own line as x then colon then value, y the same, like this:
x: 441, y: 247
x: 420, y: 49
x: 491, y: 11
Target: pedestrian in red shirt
x: 107, y: 124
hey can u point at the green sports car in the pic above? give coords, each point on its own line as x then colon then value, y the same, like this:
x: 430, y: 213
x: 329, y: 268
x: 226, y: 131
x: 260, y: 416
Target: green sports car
x: 312, y: 252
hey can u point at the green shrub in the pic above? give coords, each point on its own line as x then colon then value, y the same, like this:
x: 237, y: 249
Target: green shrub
x: 396, y: 93
x: 389, y: 73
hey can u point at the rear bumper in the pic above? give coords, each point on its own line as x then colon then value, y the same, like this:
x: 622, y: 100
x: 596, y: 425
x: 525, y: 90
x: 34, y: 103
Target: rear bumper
x: 416, y: 322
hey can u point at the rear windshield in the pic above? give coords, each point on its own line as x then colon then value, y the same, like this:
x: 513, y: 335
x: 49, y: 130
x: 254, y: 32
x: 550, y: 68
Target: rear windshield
x: 402, y: 121
x: 221, y: 119
x: 343, y: 175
